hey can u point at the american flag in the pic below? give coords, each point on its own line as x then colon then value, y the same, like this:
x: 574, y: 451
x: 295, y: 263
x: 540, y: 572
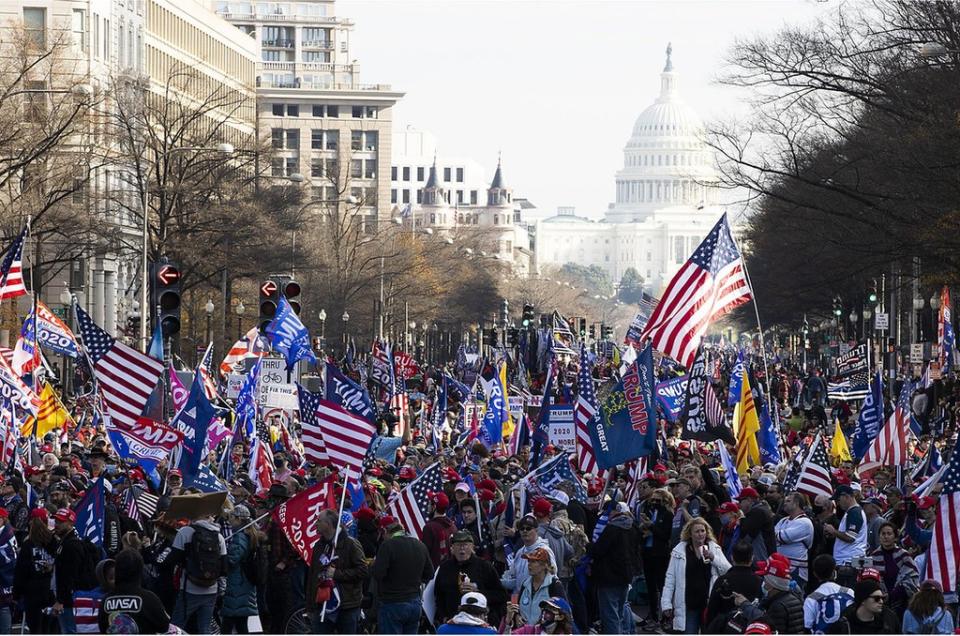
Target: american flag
x: 889, y: 447
x: 400, y: 403
x: 411, y: 507
x: 261, y: 456
x: 9, y: 430
x: 139, y: 504
x: 11, y: 270
x: 814, y: 476
x: 584, y: 412
x: 943, y: 560
x: 709, y: 285
x: 126, y: 377
x: 331, y: 434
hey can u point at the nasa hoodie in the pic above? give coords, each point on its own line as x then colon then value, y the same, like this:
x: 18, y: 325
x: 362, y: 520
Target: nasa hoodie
x: 130, y: 602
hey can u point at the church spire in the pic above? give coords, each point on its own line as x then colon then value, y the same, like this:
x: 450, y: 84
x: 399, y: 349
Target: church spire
x: 498, y: 194
x: 432, y: 190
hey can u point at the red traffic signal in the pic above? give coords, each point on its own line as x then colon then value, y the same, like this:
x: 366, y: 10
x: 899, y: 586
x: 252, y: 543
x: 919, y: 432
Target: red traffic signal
x: 291, y: 290
x: 168, y: 274
x: 268, y: 288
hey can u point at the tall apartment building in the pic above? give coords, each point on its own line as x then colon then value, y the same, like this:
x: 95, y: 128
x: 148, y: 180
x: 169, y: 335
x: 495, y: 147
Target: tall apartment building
x: 322, y: 122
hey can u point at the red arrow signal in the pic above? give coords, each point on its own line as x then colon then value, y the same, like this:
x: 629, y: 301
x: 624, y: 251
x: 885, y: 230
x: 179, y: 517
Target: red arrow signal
x: 269, y: 288
x: 168, y: 274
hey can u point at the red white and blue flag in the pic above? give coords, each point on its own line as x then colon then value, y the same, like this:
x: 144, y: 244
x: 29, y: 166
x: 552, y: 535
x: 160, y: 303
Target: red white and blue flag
x: 943, y: 559
x: 11, y: 269
x: 584, y: 412
x: 411, y: 507
x: 889, y: 447
x: 331, y: 434
x: 709, y: 285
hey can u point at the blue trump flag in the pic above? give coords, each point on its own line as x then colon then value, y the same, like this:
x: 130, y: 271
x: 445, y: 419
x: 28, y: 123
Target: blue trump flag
x: 767, y: 437
x: 626, y: 424
x: 193, y: 420
x: 557, y: 471
x: 344, y: 392
x: 870, y: 419
x: 736, y: 380
x: 246, y: 407
x: 496, y: 414
x: 541, y: 428
x: 91, y: 513
x: 730, y: 470
x: 670, y: 396
x: 289, y: 336
x: 206, y: 481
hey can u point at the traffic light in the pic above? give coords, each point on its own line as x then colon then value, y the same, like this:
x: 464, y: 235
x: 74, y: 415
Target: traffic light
x: 291, y: 290
x: 583, y: 327
x: 837, y: 306
x: 593, y: 331
x: 269, y: 297
x: 490, y: 337
x: 165, y: 296
x: 606, y: 331
x: 872, y: 291
x: 528, y: 316
x: 513, y: 336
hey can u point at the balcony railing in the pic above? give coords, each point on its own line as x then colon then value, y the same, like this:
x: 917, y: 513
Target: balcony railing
x: 279, y: 17
x: 317, y: 44
x: 264, y: 82
x: 280, y: 43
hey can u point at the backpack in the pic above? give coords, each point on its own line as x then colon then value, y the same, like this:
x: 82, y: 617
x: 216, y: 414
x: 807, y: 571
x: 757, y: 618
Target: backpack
x: 203, y: 556
x: 829, y: 608
x: 90, y: 557
x: 929, y: 626
x: 256, y: 564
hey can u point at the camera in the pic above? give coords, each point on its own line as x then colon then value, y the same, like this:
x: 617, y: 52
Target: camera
x: 858, y: 562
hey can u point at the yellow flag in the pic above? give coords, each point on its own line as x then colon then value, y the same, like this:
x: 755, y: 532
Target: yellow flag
x: 508, y: 426
x: 50, y: 416
x: 839, y: 451
x: 746, y: 426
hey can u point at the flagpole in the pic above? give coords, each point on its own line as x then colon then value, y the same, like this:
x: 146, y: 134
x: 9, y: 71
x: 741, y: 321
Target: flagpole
x: 336, y: 532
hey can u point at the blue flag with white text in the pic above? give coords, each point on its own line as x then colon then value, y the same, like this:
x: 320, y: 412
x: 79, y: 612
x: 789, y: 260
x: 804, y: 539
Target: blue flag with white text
x: 870, y: 419
x: 193, y: 420
x: 736, y: 380
x: 289, y: 336
x: 344, y: 392
x: 91, y: 513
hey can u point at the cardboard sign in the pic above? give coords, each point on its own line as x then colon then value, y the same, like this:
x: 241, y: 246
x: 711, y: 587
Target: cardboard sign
x: 283, y: 396
x: 516, y: 407
x: 562, y: 433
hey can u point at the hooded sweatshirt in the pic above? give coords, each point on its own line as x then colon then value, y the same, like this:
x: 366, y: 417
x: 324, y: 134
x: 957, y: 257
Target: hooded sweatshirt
x: 517, y: 572
x: 561, y: 548
x: 615, y: 552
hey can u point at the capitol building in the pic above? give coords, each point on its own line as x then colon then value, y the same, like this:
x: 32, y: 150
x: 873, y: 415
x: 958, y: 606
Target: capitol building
x: 666, y: 199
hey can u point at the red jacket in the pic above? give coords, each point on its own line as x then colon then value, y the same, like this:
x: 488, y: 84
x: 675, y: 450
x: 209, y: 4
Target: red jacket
x: 436, y: 536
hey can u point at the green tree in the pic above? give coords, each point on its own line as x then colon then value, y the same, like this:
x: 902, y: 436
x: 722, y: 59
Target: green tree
x: 593, y: 278
x: 631, y: 287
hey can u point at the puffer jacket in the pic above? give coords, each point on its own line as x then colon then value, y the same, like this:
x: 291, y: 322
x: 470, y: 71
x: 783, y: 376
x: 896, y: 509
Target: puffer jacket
x: 783, y: 611
x: 560, y: 547
x: 674, y: 595
x: 240, y: 598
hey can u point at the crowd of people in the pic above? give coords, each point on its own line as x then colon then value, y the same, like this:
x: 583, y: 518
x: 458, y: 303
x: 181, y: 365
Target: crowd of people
x: 667, y: 549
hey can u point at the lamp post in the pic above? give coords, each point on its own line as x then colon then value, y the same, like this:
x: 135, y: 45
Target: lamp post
x: 323, y: 322
x: 209, y: 308
x: 346, y: 319
x: 66, y: 299
x: 918, y: 308
x: 239, y: 309
x: 226, y: 149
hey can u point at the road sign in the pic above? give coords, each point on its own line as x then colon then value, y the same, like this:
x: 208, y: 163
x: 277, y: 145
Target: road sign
x: 268, y: 288
x: 273, y: 374
x: 168, y: 274
x: 916, y: 353
x: 882, y: 321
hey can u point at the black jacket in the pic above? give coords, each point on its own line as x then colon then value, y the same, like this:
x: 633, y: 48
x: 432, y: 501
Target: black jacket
x: 848, y: 623
x: 401, y: 566
x: 783, y: 611
x: 143, y: 606
x: 614, y: 554
x: 661, y: 530
x: 34, y: 569
x: 447, y: 588
x: 350, y: 572
x: 740, y: 579
x: 69, y: 560
x: 759, y: 523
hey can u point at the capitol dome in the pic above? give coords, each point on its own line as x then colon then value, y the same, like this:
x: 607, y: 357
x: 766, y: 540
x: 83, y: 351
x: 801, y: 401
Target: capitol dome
x: 665, y: 161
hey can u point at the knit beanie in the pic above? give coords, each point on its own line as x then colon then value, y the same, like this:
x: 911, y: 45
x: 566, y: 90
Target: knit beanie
x: 777, y: 582
x: 863, y: 589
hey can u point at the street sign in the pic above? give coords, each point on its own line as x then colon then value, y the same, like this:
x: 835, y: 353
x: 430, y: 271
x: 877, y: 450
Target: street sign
x: 273, y: 373
x: 916, y: 353
x: 268, y: 288
x: 882, y: 321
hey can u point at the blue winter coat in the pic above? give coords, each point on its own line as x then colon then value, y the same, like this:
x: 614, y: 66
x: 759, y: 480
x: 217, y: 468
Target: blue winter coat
x: 240, y: 598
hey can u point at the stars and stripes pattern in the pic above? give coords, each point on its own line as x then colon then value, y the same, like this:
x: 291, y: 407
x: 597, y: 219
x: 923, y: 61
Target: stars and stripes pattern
x: 252, y: 345
x: 715, y: 413
x: 584, y: 412
x: 814, y: 477
x: 11, y: 270
x: 140, y: 504
x: 889, y: 447
x: 8, y: 429
x: 125, y: 377
x: 943, y: 560
x: 261, y: 456
x: 331, y: 434
x: 709, y: 285
x: 412, y: 505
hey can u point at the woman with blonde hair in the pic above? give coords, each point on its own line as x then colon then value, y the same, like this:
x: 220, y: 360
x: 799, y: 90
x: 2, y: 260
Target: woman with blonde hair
x: 695, y: 564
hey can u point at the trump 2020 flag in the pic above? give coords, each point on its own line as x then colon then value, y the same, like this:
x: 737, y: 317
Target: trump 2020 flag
x: 90, y: 513
x: 289, y: 336
x: 193, y: 420
x: 626, y: 426
x: 870, y: 418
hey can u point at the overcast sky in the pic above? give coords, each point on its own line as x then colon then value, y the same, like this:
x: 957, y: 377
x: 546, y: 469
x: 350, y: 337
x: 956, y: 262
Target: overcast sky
x: 556, y: 85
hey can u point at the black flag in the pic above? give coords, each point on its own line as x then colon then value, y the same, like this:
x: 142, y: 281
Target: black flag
x: 702, y: 414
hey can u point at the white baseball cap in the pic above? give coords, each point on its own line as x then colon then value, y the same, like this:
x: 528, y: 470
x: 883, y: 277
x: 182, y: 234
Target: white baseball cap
x: 462, y: 487
x: 473, y: 599
x: 560, y: 497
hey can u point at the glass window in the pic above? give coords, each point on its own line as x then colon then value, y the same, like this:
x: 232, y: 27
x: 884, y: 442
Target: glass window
x: 459, y: 175
x: 80, y: 28
x: 319, y: 57
x: 277, y: 137
x: 356, y: 168
x: 406, y: 176
x: 419, y: 195
x: 370, y: 169
x: 333, y: 139
x: 276, y: 166
x: 446, y: 174
x: 393, y: 174
x: 370, y: 138
x: 318, y: 110
x: 356, y: 140
x: 35, y: 23
x: 460, y: 196
x: 316, y: 168
x: 406, y: 196
x: 420, y: 174
x: 473, y: 197
x: 316, y: 139
x: 293, y: 139
x: 293, y: 165
x: 371, y: 112
x: 393, y: 196
x: 357, y: 111
x: 331, y: 168
x: 278, y: 110
x: 293, y: 110
x: 333, y: 110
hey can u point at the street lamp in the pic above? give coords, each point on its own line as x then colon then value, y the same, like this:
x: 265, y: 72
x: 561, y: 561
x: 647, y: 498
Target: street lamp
x: 918, y: 304
x: 346, y: 319
x: 323, y: 322
x: 209, y: 308
x: 239, y: 309
x: 66, y: 299
x: 935, y: 301
x: 224, y: 148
